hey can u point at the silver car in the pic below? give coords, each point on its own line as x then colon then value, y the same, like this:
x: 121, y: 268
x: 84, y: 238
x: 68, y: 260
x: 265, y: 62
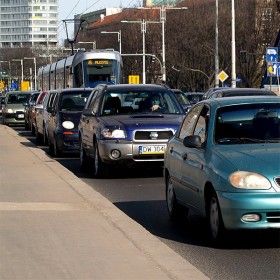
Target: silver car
x: 13, y: 108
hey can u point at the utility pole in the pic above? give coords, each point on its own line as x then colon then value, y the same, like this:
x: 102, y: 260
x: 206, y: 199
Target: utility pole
x: 217, y: 46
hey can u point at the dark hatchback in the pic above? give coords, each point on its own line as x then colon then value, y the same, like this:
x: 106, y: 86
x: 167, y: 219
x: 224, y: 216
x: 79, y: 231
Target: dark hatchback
x: 64, y: 119
x: 230, y: 92
x: 127, y: 125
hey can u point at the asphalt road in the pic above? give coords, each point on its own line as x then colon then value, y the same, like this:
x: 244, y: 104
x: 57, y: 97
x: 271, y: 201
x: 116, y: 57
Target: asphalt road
x: 140, y: 194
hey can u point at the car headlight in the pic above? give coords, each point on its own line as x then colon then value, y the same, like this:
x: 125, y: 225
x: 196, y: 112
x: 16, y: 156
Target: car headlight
x: 10, y: 111
x: 249, y: 180
x: 68, y: 125
x: 113, y: 133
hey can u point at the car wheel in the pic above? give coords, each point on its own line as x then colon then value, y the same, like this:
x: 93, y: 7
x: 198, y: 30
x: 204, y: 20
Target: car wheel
x: 84, y: 159
x: 26, y: 125
x: 51, y: 147
x: 32, y: 130
x: 56, y: 150
x: 45, y: 138
x: 100, y: 169
x: 38, y: 136
x: 215, y: 220
x: 174, y: 209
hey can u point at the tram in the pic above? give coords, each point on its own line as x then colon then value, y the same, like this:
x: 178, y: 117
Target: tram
x: 83, y: 69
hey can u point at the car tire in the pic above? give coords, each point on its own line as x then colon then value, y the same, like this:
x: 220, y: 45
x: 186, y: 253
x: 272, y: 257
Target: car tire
x: 84, y: 159
x: 32, y: 130
x: 56, y: 150
x: 100, y: 169
x: 51, y: 147
x: 216, y: 224
x: 175, y: 210
x: 26, y: 125
x: 45, y: 138
x: 38, y: 137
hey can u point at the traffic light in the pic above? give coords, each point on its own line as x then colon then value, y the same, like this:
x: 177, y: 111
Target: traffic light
x: 243, y: 56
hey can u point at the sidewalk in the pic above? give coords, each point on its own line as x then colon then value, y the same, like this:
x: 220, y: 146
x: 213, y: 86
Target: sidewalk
x: 54, y: 226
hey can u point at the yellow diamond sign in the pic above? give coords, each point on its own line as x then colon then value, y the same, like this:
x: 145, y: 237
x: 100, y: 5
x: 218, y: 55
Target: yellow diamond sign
x: 223, y: 76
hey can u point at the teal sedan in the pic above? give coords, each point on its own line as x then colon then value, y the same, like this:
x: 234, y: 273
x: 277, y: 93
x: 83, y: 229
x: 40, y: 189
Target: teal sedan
x: 224, y: 163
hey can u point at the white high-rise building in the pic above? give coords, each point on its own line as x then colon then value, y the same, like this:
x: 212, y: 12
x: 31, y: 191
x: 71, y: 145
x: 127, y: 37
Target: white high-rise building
x: 28, y: 23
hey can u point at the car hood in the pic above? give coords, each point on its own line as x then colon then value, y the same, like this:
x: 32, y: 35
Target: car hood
x: 259, y: 158
x: 15, y: 107
x: 144, y: 121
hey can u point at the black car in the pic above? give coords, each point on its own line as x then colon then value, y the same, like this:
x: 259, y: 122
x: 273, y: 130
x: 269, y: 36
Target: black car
x: 64, y: 118
x: 29, y: 109
x: 230, y: 92
x: 127, y: 125
x: 184, y: 101
x: 194, y: 97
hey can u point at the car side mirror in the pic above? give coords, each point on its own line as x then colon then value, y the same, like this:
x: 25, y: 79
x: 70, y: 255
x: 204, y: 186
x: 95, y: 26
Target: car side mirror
x: 192, y: 141
x: 88, y: 112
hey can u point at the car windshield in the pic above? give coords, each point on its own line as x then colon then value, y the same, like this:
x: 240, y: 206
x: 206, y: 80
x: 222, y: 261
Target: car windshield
x: 244, y: 124
x: 74, y: 100
x: 139, y: 102
x: 182, y: 98
x: 18, y: 98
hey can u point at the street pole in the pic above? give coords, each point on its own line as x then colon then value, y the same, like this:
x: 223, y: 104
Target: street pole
x: 233, y: 58
x: 143, y: 30
x: 163, y: 19
x: 217, y: 46
x: 35, y: 70
x: 21, y: 63
x: 119, y: 37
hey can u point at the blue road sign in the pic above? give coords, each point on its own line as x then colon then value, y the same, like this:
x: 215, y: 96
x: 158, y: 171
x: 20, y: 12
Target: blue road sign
x: 271, y: 54
x: 273, y: 69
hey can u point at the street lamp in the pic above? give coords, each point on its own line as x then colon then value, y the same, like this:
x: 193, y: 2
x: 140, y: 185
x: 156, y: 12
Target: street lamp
x: 119, y: 37
x: 35, y: 70
x: 21, y: 62
x: 93, y: 44
x: 163, y: 20
x: 143, y: 30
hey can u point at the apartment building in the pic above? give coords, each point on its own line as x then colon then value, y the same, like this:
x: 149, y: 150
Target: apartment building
x: 28, y: 23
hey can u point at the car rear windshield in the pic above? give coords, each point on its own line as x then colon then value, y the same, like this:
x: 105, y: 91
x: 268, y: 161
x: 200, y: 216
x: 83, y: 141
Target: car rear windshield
x: 73, y: 100
x: 248, y: 123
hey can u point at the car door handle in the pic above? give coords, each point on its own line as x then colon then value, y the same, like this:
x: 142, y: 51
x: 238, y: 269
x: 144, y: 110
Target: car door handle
x: 185, y: 156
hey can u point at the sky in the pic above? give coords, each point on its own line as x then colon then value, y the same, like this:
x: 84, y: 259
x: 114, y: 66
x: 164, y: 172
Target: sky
x: 69, y: 8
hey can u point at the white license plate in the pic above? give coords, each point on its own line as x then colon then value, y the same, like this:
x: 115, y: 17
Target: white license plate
x: 20, y: 116
x: 152, y: 149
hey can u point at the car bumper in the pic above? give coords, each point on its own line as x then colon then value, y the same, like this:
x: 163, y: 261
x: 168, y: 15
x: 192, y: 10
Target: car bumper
x: 128, y: 152
x: 67, y: 142
x: 235, y: 205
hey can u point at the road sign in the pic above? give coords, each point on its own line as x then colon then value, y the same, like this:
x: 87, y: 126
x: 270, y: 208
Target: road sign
x: 271, y: 54
x: 223, y: 76
x: 133, y: 79
x: 273, y: 69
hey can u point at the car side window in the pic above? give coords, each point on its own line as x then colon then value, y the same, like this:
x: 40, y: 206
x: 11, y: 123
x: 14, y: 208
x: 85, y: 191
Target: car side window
x: 189, y: 122
x: 202, y: 125
x: 95, y: 100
